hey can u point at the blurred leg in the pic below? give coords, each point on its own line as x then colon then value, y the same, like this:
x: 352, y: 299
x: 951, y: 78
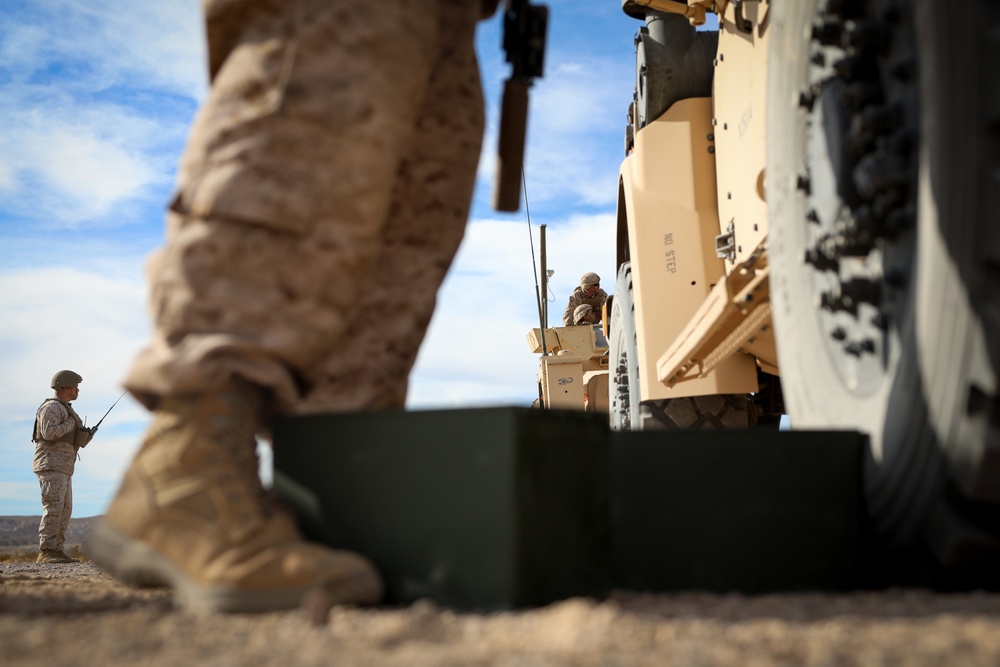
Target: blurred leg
x: 430, y: 206
x: 285, y: 195
x: 284, y: 192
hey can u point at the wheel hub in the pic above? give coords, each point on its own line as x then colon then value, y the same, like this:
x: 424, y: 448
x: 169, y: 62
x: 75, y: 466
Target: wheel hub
x: 859, y: 183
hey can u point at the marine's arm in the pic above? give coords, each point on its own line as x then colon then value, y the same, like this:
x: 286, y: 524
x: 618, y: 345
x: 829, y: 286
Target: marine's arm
x: 599, y: 310
x: 55, y: 421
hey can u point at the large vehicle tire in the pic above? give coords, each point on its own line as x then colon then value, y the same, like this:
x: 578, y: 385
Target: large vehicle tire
x: 883, y: 154
x: 627, y: 413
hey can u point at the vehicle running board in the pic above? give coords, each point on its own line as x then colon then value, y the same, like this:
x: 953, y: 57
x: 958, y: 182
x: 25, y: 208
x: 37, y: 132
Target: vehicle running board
x: 735, y: 318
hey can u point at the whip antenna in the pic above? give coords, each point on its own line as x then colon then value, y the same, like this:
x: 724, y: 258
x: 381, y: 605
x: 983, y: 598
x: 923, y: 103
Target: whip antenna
x: 542, y: 319
x: 111, y: 408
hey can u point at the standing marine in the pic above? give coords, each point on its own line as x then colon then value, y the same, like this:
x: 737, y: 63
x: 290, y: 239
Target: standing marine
x: 332, y: 162
x: 590, y: 293
x: 58, y: 436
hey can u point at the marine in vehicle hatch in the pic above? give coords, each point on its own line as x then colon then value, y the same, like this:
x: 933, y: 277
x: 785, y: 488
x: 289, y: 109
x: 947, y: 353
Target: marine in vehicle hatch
x: 584, y: 315
x: 589, y: 292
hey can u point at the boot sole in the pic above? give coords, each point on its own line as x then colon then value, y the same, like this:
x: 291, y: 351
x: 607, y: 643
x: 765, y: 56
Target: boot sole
x: 136, y: 563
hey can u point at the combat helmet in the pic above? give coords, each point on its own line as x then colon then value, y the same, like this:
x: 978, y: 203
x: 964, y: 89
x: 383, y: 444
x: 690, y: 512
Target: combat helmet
x: 590, y: 278
x: 580, y: 311
x: 66, y: 379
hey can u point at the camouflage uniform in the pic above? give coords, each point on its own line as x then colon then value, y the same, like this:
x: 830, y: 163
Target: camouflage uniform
x: 578, y: 298
x: 322, y: 196
x: 56, y: 427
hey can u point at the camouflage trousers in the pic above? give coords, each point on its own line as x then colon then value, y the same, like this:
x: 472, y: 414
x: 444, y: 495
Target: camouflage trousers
x: 321, y: 198
x: 57, y: 507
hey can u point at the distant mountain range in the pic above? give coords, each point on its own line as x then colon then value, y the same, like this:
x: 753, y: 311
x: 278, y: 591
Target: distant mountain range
x: 19, y: 531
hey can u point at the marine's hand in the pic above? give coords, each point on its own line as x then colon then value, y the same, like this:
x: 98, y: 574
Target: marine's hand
x: 83, y: 441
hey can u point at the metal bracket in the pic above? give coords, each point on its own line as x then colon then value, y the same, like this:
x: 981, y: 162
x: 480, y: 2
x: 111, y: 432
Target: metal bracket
x: 743, y: 24
x: 725, y: 244
x: 736, y: 312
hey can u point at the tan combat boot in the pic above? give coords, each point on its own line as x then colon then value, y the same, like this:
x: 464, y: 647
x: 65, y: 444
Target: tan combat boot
x: 53, y: 556
x: 191, y: 515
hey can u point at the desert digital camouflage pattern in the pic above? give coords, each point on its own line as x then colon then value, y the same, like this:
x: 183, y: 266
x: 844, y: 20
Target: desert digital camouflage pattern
x: 311, y: 230
x: 56, y: 427
x: 578, y: 298
x: 322, y: 195
x: 57, y: 504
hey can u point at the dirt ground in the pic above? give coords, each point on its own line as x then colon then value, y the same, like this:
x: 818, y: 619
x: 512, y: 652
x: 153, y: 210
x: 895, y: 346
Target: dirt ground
x: 77, y: 615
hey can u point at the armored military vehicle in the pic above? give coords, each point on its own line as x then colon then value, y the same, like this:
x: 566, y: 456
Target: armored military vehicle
x: 573, y: 372
x: 808, y: 224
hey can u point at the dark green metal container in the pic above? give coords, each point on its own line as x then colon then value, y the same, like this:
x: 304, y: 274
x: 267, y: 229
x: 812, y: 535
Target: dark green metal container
x: 493, y: 508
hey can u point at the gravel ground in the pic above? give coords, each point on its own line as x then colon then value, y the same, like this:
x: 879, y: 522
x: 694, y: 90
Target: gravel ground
x: 75, y: 614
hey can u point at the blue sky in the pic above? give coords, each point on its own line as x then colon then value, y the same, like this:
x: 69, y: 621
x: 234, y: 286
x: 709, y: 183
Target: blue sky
x: 97, y: 97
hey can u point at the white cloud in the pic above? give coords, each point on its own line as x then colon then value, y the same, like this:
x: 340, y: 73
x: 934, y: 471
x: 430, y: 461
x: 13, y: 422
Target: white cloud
x: 572, y: 153
x: 87, y: 158
x: 14, y: 491
x: 6, y: 172
x: 57, y: 318
x: 88, y: 116
x: 87, y: 163
x: 21, y: 48
x: 106, y: 43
